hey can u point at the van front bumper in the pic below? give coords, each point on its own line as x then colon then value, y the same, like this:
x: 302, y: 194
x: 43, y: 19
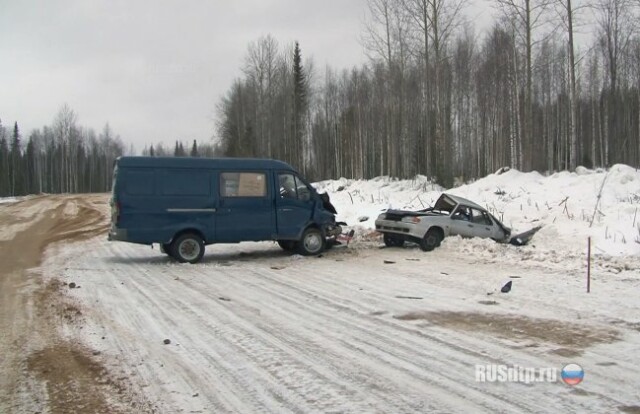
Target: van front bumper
x: 332, y: 230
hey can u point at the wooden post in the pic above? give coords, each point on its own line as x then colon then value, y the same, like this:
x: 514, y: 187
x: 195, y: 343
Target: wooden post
x: 589, y: 265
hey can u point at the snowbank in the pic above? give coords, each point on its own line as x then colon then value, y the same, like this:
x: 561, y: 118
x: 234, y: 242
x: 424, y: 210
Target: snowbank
x: 5, y: 200
x: 564, y: 203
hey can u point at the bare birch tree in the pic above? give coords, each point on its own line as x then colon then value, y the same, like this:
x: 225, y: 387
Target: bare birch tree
x: 567, y: 11
x: 526, y: 16
x: 616, y: 27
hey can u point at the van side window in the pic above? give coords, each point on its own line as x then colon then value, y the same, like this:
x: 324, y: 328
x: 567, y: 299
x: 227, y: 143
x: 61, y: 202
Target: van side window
x: 304, y: 193
x: 292, y: 187
x: 139, y: 182
x: 186, y: 183
x: 287, y: 183
x: 243, y: 184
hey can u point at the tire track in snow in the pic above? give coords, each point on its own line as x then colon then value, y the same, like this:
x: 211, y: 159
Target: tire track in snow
x: 473, y: 344
x: 159, y: 314
x: 408, y: 358
x: 408, y: 350
x: 448, y: 367
x: 450, y: 362
x: 249, y: 349
x: 268, y: 348
x: 235, y: 333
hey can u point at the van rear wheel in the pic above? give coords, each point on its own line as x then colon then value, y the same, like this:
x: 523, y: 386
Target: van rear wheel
x: 312, y: 242
x: 187, y: 248
x: 166, y: 249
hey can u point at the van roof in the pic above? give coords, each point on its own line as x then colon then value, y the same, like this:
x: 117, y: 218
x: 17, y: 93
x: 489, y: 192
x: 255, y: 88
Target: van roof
x: 194, y: 162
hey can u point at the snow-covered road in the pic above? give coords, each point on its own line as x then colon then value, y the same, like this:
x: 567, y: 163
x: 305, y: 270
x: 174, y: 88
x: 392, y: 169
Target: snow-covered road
x: 254, y: 329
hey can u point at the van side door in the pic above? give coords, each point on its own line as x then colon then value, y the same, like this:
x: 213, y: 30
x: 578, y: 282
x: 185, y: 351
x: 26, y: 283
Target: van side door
x: 245, y: 206
x: 294, y: 205
x: 185, y: 200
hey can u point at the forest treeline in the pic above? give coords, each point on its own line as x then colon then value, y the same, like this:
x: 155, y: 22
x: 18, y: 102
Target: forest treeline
x: 438, y: 99
x: 435, y: 98
x: 66, y: 157
x: 60, y: 158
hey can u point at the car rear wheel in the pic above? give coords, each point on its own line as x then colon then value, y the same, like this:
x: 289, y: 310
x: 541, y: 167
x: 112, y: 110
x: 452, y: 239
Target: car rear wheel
x: 187, y: 248
x: 431, y: 240
x: 312, y: 242
x: 392, y: 241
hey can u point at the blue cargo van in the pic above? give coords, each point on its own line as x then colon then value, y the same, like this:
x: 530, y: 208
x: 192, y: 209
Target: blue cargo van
x: 184, y: 204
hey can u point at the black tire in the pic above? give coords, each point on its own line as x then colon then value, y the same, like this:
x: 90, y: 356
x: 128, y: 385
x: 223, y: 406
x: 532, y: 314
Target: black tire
x: 288, y: 245
x: 391, y: 240
x: 187, y: 248
x: 328, y: 244
x: 166, y: 249
x: 431, y: 240
x: 312, y: 242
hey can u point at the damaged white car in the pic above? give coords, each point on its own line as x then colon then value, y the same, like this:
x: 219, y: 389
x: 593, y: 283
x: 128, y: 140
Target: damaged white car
x: 450, y: 216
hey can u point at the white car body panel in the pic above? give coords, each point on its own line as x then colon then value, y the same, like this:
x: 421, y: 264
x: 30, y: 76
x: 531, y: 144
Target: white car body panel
x: 446, y: 215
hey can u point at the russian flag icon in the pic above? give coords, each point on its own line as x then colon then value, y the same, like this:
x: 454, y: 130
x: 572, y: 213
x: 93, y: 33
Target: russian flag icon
x: 572, y: 374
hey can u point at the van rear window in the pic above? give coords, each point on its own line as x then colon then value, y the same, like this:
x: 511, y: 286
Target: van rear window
x: 186, y: 183
x: 243, y: 184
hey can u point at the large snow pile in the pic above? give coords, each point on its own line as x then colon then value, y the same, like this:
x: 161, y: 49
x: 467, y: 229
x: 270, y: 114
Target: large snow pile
x: 563, y: 203
x: 359, y: 199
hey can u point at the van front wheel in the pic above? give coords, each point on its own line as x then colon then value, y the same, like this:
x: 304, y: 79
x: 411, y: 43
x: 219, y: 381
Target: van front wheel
x: 188, y: 248
x: 312, y: 242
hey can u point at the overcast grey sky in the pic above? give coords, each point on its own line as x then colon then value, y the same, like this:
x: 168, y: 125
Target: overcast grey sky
x: 154, y: 70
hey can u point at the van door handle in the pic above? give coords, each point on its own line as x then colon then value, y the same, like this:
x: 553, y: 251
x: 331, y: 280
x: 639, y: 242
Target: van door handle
x: 286, y: 209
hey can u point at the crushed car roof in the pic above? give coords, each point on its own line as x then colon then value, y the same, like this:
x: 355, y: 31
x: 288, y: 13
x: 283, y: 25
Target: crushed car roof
x: 461, y: 200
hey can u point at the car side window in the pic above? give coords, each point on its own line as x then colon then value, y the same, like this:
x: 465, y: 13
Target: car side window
x: 462, y: 213
x: 480, y: 217
x: 487, y: 218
